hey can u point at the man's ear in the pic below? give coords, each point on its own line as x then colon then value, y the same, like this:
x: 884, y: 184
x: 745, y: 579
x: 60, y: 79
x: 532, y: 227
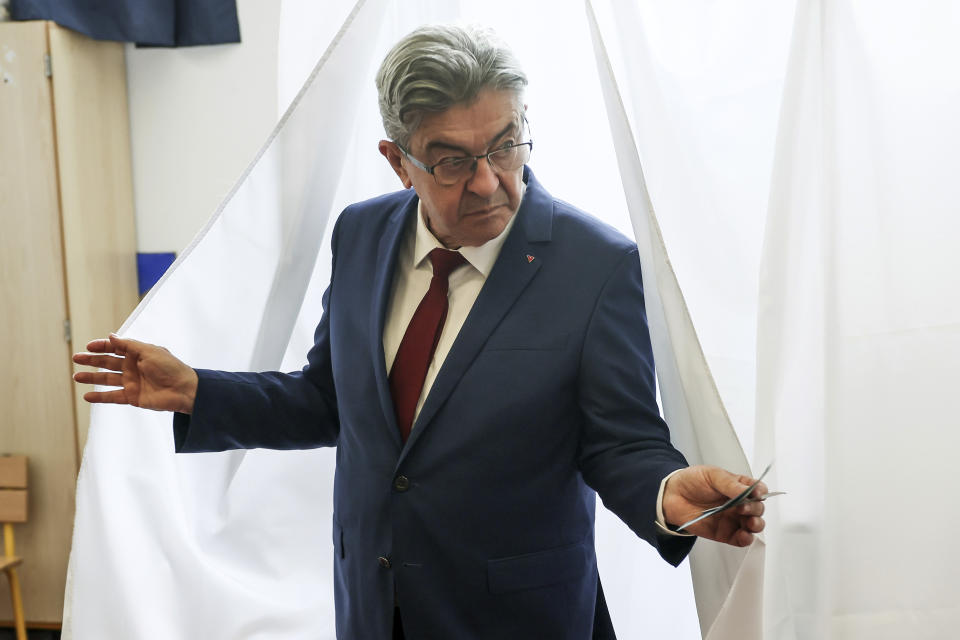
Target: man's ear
x: 394, y: 156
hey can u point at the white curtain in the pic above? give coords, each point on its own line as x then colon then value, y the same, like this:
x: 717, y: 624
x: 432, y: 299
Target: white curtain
x: 847, y: 352
x: 859, y: 326
x: 855, y: 314
x: 233, y: 545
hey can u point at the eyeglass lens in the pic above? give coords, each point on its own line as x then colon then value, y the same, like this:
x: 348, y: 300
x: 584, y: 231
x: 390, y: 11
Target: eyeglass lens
x: 506, y: 159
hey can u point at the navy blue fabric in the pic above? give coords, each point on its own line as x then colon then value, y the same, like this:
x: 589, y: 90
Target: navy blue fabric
x: 546, y: 397
x: 163, y: 23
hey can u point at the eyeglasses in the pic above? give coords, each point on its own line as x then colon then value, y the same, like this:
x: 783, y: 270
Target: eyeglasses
x: 451, y: 171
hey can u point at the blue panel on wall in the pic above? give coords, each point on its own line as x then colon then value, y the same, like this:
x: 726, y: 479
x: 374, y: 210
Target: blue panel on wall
x: 151, y: 267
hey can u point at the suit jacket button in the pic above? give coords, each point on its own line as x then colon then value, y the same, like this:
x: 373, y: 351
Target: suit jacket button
x: 384, y: 562
x: 401, y: 483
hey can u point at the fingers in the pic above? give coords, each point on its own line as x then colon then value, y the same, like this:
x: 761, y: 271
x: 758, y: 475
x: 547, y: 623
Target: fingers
x: 753, y: 524
x: 101, y: 378
x: 744, y: 536
x: 758, y: 491
x: 101, y: 345
x: 112, y: 344
x: 754, y: 508
x: 751, y: 516
x: 116, y: 396
x: 746, y: 526
x: 119, y: 345
x: 113, y: 363
x: 746, y: 533
x: 742, y: 539
x: 729, y: 484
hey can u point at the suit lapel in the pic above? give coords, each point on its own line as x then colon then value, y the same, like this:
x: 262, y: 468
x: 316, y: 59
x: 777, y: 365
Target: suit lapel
x: 386, y: 258
x: 510, y: 275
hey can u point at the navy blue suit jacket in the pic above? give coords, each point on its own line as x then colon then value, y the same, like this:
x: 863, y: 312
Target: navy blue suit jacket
x: 486, y: 514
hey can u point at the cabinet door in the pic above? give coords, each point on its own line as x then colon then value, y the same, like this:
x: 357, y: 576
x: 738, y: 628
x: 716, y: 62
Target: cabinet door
x: 35, y: 387
x: 96, y: 189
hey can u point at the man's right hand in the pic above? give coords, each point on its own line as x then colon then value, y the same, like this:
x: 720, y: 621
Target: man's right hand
x: 149, y: 376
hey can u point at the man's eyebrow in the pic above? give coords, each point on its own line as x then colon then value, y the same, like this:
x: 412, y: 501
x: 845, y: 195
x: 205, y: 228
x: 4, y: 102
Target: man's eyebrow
x: 507, y: 129
x: 436, y: 144
x: 439, y: 144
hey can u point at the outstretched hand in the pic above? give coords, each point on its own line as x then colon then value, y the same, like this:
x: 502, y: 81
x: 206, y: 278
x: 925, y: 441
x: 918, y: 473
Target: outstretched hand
x: 695, y: 489
x: 148, y: 376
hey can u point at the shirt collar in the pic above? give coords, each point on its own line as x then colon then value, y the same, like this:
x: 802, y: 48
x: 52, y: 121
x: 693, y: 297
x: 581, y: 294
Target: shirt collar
x: 481, y: 258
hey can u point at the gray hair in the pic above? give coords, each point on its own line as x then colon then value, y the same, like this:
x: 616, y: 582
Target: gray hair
x: 438, y: 66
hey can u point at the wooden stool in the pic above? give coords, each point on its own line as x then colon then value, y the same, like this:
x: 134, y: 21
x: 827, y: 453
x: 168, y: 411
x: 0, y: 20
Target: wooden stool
x: 13, y: 508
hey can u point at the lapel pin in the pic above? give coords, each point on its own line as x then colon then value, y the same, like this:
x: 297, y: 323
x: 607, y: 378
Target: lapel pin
x: 529, y: 258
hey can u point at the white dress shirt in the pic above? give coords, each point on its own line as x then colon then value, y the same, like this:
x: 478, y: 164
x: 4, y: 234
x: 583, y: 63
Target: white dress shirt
x: 411, y: 279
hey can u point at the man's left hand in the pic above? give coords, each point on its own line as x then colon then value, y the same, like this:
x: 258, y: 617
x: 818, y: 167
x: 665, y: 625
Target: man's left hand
x: 692, y: 490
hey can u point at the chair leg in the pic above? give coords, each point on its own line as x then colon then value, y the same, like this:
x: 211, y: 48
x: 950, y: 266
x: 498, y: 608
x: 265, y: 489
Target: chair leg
x: 17, y: 604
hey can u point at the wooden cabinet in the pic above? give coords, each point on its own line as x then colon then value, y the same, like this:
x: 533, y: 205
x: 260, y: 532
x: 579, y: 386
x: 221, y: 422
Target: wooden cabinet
x: 67, y: 268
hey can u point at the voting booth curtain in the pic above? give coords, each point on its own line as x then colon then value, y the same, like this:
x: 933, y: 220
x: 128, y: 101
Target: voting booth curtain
x: 787, y: 170
x: 859, y: 326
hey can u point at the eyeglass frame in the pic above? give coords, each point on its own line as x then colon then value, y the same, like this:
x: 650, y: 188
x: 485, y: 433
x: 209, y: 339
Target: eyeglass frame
x: 476, y: 160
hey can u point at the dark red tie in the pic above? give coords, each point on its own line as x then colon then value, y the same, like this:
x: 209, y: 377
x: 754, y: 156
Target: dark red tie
x: 420, y: 340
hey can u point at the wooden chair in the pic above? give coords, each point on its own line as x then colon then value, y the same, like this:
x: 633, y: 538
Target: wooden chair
x: 13, y: 509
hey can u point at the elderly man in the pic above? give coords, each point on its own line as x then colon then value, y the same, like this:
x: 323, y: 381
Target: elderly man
x: 483, y: 368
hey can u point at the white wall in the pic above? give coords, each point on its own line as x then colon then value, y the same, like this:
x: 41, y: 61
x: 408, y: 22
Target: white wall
x: 198, y: 116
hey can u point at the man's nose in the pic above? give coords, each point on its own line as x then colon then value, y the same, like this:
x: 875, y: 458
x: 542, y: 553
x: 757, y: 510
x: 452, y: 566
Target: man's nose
x: 485, y: 180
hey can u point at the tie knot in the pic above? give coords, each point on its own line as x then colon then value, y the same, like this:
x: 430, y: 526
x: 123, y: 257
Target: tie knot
x: 445, y: 261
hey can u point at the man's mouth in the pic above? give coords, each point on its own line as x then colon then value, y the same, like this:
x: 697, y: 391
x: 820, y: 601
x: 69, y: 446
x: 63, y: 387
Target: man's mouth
x: 485, y: 210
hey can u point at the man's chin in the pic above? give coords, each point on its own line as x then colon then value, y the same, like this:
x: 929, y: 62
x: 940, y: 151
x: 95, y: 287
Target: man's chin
x: 485, y: 227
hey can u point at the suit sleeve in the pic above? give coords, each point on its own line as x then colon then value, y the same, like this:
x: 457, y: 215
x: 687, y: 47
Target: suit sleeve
x: 625, y: 448
x: 269, y: 410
